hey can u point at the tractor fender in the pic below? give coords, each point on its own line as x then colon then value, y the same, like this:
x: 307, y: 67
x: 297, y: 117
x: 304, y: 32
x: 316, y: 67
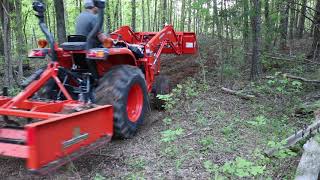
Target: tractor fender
x: 119, y: 56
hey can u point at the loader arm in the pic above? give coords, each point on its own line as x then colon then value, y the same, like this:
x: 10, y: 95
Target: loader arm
x: 165, y: 37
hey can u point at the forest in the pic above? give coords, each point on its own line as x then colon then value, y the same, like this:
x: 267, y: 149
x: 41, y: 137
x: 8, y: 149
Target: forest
x: 236, y: 108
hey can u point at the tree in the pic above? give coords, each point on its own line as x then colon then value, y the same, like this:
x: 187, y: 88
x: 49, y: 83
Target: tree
x: 108, y: 19
x: 155, y: 26
x: 1, y: 41
x: 149, y: 15
x: 268, y: 36
x: 143, y: 16
x: 164, y: 12
x: 6, y: 36
x: 183, y: 17
x: 256, y: 39
x: 302, y: 19
x: 60, y: 21
x: 245, y: 32
x: 190, y: 15
x: 316, y: 36
x: 133, y: 14
x: 292, y: 19
x: 215, y: 18
x: 283, y: 28
x: 21, y: 50
x: 116, y: 15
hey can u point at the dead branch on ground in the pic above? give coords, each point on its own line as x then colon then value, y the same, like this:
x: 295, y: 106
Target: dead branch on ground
x: 296, y: 137
x: 300, y: 78
x: 238, y: 93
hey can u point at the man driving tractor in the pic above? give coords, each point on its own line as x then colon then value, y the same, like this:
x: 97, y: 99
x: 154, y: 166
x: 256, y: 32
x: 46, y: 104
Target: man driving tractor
x: 87, y: 19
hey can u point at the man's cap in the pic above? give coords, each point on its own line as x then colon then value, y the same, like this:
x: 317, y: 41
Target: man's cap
x: 88, y: 4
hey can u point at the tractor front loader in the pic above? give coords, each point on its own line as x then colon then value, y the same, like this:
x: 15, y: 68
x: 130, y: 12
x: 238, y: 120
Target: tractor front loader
x: 87, y: 94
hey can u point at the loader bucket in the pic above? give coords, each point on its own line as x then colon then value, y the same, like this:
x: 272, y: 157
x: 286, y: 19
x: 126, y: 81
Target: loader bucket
x: 53, y: 142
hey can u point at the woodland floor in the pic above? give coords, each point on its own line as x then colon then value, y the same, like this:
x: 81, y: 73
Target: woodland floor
x: 204, y: 129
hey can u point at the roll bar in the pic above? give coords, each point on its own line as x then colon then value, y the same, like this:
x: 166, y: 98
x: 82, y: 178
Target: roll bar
x: 40, y: 8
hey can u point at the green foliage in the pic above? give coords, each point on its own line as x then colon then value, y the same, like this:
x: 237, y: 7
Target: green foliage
x: 239, y: 168
x: 171, y: 135
x: 279, y: 84
x: 282, y: 152
x: 213, y: 169
x: 172, y: 98
x: 229, y: 71
x: 170, y: 151
x: 201, y: 119
x: 137, y: 164
x: 227, y: 131
x: 206, y: 143
x: 258, y: 121
x: 14, y: 91
x: 167, y: 121
x: 242, y: 168
x: 99, y: 177
x: 189, y: 89
x: 135, y: 176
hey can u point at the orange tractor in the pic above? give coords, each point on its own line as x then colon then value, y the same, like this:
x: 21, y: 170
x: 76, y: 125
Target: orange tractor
x: 86, y: 94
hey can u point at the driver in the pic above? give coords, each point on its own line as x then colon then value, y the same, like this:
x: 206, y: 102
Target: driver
x: 87, y: 19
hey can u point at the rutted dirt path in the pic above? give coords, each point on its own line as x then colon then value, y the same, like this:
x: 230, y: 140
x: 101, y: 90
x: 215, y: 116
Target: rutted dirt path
x: 115, y: 159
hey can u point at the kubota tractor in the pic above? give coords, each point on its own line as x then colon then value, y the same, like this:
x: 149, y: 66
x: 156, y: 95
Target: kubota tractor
x: 86, y: 94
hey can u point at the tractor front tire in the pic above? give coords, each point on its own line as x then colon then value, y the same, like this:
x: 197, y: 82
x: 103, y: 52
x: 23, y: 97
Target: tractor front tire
x: 124, y: 87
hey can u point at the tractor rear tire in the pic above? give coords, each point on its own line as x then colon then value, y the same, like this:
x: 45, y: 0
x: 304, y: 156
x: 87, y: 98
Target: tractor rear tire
x: 124, y: 87
x: 161, y: 87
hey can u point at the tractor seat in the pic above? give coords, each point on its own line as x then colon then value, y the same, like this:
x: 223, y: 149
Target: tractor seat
x: 75, y: 43
x: 74, y: 46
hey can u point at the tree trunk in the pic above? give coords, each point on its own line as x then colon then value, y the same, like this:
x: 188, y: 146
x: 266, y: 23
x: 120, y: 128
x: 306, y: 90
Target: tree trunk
x: 292, y: 19
x: 155, y: 16
x: 215, y: 18
x: 149, y: 15
x: 164, y: 12
x: 133, y: 14
x: 283, y: 28
x: 183, y: 17
x: 120, y: 14
x: 268, y: 37
x: 61, y: 26
x: 302, y: 19
x: 245, y: 32
x: 207, y: 18
x: 6, y: 36
x: 171, y: 12
x: 226, y: 22
x: 189, y: 14
x: 143, y: 16
x: 116, y: 15
x: 1, y: 32
x: 21, y: 50
x: 1, y: 39
x: 256, y: 39
x: 108, y: 19
x: 316, y: 36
